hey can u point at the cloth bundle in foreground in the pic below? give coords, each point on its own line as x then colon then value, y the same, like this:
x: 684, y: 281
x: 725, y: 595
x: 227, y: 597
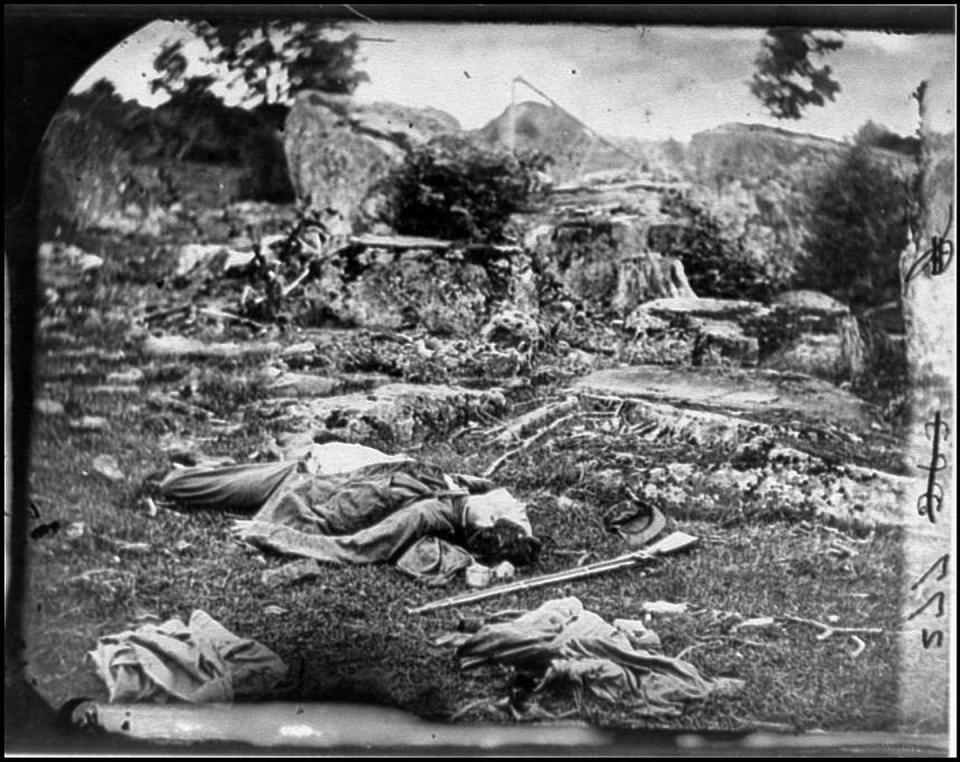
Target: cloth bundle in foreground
x: 198, y: 662
x: 621, y: 664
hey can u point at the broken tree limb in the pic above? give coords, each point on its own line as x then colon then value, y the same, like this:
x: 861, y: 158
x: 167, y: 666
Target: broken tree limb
x: 543, y: 415
x: 492, y: 469
x: 296, y: 283
x: 673, y: 543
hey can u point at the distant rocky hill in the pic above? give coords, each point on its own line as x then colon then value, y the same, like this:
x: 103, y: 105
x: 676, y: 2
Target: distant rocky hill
x: 575, y: 151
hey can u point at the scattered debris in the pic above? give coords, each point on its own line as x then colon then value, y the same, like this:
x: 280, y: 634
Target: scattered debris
x: 90, y: 423
x: 825, y: 631
x: 76, y: 530
x: 136, y: 548
x: 663, y: 608
x: 131, y: 376
x: 528, y: 422
x: 859, y: 647
x: 181, y: 346
x: 48, y: 406
x: 504, y: 571
x: 478, y: 575
x: 756, y: 623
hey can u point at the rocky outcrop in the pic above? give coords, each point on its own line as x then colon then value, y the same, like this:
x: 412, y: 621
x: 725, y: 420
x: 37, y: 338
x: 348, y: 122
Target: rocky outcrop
x: 749, y: 393
x: 604, y: 261
x: 397, y: 414
x: 338, y: 150
x: 450, y: 292
x: 88, y: 182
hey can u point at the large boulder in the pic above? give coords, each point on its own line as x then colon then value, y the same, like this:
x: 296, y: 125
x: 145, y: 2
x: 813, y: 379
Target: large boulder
x: 338, y: 150
x: 818, y: 355
x: 88, y: 182
x: 811, y: 301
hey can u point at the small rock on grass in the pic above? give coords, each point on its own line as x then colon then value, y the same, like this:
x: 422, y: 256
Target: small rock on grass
x: 125, y: 377
x: 107, y: 467
x: 76, y: 530
x: 90, y: 423
x: 664, y: 608
x: 48, y: 407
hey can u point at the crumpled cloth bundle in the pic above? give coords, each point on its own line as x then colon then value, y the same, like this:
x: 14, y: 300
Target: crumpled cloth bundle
x: 199, y: 662
x: 562, y: 640
x: 434, y: 561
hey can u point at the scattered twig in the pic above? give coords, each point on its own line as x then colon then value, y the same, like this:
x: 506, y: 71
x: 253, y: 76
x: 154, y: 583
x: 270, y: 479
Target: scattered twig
x: 525, y: 444
x: 860, y: 646
x: 525, y: 423
x: 213, y: 312
x: 695, y: 646
x: 471, y: 706
x: 296, y: 284
x: 151, y: 316
x: 825, y: 631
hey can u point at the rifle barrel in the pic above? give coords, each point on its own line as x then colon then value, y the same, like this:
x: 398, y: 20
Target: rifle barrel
x: 529, y: 584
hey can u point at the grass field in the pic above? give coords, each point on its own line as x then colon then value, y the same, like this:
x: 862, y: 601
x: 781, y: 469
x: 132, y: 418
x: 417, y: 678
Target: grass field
x: 347, y: 636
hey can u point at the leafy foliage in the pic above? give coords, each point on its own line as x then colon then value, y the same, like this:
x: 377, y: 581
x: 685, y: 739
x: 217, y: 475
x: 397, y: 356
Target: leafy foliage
x: 453, y: 189
x: 784, y: 67
x: 715, y: 261
x: 873, y: 134
x: 859, y: 229
x: 273, y: 60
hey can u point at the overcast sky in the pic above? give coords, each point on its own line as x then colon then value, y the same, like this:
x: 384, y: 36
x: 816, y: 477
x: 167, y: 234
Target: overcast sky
x: 644, y: 82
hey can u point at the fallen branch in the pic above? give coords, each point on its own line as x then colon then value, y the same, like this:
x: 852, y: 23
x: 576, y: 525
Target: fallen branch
x: 529, y: 421
x: 825, y: 631
x: 492, y: 469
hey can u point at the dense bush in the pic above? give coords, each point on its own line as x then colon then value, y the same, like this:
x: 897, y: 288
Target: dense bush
x: 454, y: 189
x: 859, y: 229
x: 715, y: 259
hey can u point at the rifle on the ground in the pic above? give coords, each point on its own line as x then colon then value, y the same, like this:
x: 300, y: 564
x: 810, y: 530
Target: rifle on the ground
x: 672, y: 543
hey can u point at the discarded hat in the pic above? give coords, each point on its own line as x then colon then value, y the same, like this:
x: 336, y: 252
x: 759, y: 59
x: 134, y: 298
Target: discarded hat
x: 638, y: 522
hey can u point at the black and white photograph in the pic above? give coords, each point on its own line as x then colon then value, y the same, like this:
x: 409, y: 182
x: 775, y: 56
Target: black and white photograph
x: 480, y: 380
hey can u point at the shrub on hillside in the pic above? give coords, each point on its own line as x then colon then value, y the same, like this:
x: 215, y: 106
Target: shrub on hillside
x: 453, y: 189
x: 715, y: 258
x: 859, y: 229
